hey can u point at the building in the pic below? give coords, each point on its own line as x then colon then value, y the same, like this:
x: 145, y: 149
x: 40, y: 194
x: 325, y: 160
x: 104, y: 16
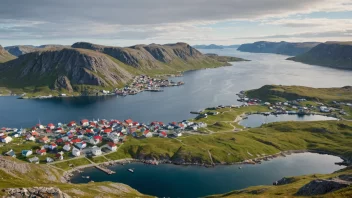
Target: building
x: 10, y: 153
x: 26, y: 153
x: 41, y: 151
x: 147, y: 134
x: 112, y: 146
x: 51, y: 126
x: 163, y: 134
x: 96, y: 151
x: 34, y: 160
x: 67, y: 146
x: 44, y: 140
x: 5, y: 139
x: 85, y: 122
x: 76, y: 152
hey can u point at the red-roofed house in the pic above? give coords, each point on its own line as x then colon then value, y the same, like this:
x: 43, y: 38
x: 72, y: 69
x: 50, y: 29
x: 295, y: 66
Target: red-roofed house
x: 41, y: 152
x: 52, y: 146
x: 34, y: 133
x: 84, y: 122
x: 59, y: 141
x: 163, y: 134
x: 147, y: 134
x: 108, y: 130
x: 71, y: 124
x: 89, y: 131
x: 77, y: 140
x: 67, y: 146
x: 112, y: 146
x: 129, y: 122
x: 92, y: 124
x: 96, y: 139
x: 135, y: 123
x: 44, y: 140
x: 51, y: 126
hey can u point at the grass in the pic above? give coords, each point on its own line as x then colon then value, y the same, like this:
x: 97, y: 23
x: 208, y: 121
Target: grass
x: 65, y: 165
x: 275, y: 93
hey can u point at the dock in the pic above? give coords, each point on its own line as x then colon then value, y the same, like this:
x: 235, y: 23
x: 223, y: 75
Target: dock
x: 105, y: 170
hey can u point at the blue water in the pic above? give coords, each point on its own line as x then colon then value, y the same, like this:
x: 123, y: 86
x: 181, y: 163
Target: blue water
x: 257, y: 120
x: 195, y: 181
x: 203, y: 88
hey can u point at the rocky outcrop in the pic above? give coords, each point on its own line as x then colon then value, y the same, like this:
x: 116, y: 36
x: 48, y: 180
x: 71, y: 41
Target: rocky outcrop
x: 285, y: 48
x: 329, y: 54
x: 5, y: 56
x: 323, y: 186
x: 284, y: 181
x: 43, y: 192
x: 64, y: 83
x: 63, y: 68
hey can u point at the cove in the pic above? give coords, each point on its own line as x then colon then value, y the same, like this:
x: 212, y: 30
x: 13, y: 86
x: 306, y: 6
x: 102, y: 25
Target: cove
x: 257, y: 120
x: 167, y: 180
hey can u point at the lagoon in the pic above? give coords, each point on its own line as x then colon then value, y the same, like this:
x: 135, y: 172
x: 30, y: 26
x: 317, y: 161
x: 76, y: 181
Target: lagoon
x: 167, y: 180
x: 257, y: 120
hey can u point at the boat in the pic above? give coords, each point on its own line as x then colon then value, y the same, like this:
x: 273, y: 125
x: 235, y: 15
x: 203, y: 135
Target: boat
x: 240, y: 167
x: 131, y: 170
x: 86, y: 177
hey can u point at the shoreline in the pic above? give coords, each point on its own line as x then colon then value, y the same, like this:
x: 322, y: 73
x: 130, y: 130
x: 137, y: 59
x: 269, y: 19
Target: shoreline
x: 67, y: 175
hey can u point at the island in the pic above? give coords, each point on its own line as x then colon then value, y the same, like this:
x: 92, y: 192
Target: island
x: 47, y: 153
x: 90, y: 69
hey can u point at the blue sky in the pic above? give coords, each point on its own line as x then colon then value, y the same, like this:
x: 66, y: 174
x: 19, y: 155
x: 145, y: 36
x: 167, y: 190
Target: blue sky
x: 124, y: 23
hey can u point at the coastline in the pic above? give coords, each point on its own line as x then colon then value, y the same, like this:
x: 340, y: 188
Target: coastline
x: 67, y: 175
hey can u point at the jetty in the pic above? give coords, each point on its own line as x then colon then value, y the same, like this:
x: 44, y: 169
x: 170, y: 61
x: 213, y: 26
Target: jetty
x: 105, y: 170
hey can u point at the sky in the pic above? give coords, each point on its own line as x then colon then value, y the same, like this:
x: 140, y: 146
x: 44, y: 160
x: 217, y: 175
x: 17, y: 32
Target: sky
x: 130, y: 22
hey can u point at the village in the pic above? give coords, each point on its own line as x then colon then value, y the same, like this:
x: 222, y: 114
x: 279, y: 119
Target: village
x: 88, y: 138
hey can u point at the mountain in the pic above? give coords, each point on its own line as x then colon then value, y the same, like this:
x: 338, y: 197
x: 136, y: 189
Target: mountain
x: 179, y: 56
x: 86, y: 66
x: 5, y: 56
x: 329, y: 54
x: 285, y: 48
x: 61, y: 69
x: 18, y: 50
x: 213, y: 46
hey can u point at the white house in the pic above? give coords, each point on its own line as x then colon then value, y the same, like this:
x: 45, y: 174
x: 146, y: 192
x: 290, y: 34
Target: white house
x: 163, y: 134
x: 6, y: 139
x: 76, y: 152
x: 67, y: 146
x: 27, y: 153
x: 51, y: 126
x: 30, y: 138
x: 96, y: 151
x: 114, y: 137
x: 147, y: 134
x: 34, y: 160
x: 112, y: 146
x: 177, y: 134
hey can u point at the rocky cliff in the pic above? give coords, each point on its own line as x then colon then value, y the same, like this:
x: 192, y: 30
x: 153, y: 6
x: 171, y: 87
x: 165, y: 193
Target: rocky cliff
x: 153, y: 56
x: 62, y: 68
x: 18, y: 50
x: 329, y: 54
x: 285, y: 48
x: 5, y: 56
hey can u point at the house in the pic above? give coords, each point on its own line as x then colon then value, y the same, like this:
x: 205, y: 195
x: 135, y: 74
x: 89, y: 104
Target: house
x: 112, y: 146
x: 81, y: 145
x: 96, y: 151
x: 60, y: 155
x: 67, y: 146
x: 114, y: 137
x: 26, y: 153
x: 51, y: 126
x: 324, y: 109
x: 85, y: 122
x: 49, y: 160
x: 107, y: 131
x: 44, y: 140
x: 76, y: 152
x: 147, y: 134
x: 71, y: 124
x: 6, y: 139
x: 10, y: 153
x: 96, y: 139
x: 52, y: 146
x: 30, y: 138
x: 163, y: 134
x: 41, y: 151
x: 177, y: 134
x: 129, y: 122
x: 34, y: 160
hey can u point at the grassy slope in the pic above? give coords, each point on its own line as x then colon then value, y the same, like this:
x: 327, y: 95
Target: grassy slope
x: 289, y: 190
x: 273, y: 93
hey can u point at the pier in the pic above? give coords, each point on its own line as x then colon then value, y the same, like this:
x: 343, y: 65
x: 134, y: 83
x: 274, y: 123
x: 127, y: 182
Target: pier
x: 105, y: 170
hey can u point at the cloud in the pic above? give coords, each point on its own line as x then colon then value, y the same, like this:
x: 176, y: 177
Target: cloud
x: 309, y: 35
x: 146, y: 19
